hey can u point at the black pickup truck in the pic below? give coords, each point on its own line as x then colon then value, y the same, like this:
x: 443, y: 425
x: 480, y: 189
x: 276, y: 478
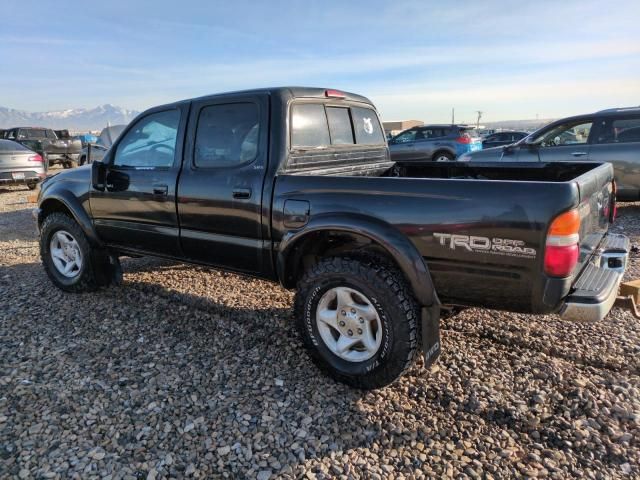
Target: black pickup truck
x: 296, y: 185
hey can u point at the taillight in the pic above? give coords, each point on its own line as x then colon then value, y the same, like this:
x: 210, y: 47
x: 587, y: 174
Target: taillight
x: 464, y: 138
x: 562, y: 248
x: 35, y: 158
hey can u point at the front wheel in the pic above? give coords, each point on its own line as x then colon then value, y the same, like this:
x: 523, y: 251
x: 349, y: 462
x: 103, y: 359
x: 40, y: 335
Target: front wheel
x: 66, y: 254
x: 358, y: 321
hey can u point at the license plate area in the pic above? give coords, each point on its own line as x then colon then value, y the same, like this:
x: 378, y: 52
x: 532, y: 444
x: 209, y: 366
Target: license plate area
x: 17, y: 175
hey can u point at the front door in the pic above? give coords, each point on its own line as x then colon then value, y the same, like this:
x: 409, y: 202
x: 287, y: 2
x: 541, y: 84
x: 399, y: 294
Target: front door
x: 220, y: 187
x: 137, y: 208
x: 403, y: 146
x: 568, y: 142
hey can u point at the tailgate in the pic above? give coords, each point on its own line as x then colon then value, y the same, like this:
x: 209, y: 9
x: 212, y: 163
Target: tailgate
x: 596, y: 204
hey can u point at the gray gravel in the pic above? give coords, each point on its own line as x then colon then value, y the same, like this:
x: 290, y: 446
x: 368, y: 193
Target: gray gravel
x: 186, y: 371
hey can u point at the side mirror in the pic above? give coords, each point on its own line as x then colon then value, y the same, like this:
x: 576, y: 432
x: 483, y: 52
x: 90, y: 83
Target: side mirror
x: 98, y: 175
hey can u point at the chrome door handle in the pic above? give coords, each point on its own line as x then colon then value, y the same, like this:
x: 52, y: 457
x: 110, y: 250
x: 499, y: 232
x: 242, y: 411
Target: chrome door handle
x: 578, y: 154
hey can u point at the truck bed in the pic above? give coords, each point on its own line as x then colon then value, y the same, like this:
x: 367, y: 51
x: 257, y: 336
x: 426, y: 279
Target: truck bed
x: 430, y: 202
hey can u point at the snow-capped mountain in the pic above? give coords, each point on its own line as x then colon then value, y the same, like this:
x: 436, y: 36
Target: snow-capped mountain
x: 77, y: 119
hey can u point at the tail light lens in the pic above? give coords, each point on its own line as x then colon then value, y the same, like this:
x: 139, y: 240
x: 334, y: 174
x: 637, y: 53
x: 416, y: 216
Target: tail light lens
x: 465, y: 139
x: 562, y: 249
x: 35, y: 158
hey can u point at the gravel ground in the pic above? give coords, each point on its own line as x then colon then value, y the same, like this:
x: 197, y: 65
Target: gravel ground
x: 186, y: 371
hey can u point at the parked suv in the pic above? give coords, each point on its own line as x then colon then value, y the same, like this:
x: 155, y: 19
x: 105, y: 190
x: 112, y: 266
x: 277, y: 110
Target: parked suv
x: 440, y: 143
x: 607, y: 136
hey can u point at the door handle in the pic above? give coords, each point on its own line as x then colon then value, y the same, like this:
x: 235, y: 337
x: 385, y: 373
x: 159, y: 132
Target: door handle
x: 578, y: 154
x: 160, y: 189
x: 242, y: 193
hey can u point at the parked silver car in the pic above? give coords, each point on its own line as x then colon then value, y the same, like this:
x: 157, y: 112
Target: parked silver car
x: 19, y: 165
x: 607, y: 136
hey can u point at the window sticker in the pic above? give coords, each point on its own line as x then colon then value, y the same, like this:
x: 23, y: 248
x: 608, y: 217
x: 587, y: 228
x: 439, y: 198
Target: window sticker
x: 368, y: 125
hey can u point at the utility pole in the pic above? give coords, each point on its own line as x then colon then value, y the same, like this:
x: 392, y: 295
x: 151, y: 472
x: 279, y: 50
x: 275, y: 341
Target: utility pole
x: 453, y: 115
x: 479, y: 117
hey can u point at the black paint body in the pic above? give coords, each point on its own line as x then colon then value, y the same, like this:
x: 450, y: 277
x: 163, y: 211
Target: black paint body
x: 258, y: 218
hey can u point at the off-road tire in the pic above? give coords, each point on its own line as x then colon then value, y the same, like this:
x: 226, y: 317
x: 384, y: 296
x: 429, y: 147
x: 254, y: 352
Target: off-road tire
x: 388, y: 291
x: 86, y: 280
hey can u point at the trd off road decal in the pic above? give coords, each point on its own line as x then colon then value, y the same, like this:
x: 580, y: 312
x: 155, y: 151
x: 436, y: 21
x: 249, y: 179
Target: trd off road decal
x: 494, y: 246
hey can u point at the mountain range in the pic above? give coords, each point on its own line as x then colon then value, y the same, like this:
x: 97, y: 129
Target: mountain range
x: 77, y: 119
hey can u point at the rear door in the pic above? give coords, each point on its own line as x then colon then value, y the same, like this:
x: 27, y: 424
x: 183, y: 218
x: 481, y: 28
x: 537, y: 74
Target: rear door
x: 220, y: 187
x: 433, y: 138
x: 617, y: 140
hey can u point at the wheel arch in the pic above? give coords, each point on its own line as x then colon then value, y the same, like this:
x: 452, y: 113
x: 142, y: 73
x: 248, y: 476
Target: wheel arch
x: 67, y: 203
x: 344, y: 234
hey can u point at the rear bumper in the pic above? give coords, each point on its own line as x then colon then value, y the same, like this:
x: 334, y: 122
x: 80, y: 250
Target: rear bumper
x: 7, y: 178
x: 595, y: 290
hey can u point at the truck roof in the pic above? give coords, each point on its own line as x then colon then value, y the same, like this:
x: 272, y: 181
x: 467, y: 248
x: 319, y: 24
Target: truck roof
x: 291, y: 91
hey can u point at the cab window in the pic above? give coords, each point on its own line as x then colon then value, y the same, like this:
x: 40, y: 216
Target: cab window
x: 227, y: 135
x: 151, y: 142
x: 309, y: 127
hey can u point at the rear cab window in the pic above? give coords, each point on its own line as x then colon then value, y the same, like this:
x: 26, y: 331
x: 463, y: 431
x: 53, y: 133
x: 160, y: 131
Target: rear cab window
x: 318, y: 125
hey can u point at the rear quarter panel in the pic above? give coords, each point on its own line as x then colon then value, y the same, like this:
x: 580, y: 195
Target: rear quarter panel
x: 430, y: 212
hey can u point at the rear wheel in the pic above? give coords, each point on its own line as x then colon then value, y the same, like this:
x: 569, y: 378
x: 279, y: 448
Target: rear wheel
x: 32, y: 186
x: 358, y: 320
x: 442, y: 157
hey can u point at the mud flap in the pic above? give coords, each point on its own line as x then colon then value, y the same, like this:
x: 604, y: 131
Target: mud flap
x: 107, y: 269
x: 431, y: 334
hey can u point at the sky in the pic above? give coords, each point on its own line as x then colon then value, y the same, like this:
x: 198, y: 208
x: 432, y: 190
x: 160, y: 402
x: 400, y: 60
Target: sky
x: 413, y: 59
